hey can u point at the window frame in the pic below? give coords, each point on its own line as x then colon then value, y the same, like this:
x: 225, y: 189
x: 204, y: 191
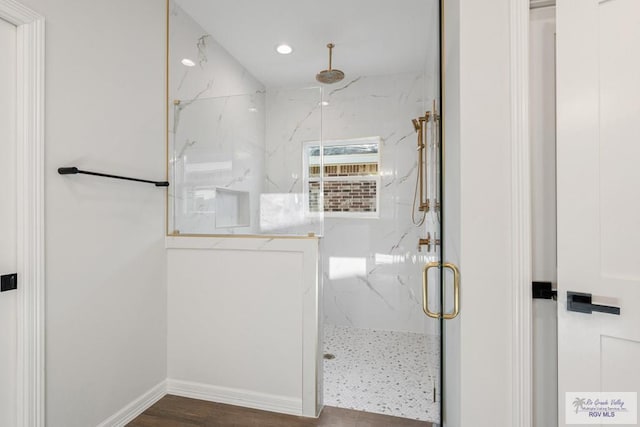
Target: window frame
x: 307, y: 179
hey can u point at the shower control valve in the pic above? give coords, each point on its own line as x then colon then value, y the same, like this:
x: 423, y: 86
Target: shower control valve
x: 428, y: 242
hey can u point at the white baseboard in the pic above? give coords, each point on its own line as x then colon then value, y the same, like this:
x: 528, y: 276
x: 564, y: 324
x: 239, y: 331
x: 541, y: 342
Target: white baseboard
x: 237, y: 397
x: 137, y: 407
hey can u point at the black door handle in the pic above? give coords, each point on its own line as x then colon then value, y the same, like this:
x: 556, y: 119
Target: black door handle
x: 8, y: 282
x: 581, y: 302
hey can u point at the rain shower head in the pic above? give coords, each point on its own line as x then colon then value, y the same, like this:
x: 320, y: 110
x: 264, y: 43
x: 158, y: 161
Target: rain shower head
x: 416, y: 124
x: 330, y: 75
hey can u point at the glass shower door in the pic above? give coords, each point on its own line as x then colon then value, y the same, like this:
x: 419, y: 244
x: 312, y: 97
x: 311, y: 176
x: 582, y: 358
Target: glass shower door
x: 382, y: 265
x: 383, y: 272
x: 236, y: 164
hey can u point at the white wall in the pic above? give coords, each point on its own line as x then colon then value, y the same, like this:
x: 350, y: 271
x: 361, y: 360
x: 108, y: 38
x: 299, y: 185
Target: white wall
x: 8, y: 225
x: 485, y: 164
x: 243, y: 321
x: 106, y: 284
x: 542, y: 116
x: 477, y: 212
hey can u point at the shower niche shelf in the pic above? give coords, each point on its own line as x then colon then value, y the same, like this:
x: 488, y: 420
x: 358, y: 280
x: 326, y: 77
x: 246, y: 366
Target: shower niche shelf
x: 232, y: 208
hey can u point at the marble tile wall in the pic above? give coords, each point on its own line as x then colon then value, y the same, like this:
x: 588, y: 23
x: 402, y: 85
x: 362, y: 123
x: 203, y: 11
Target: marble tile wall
x: 216, y: 72
x: 216, y: 131
x: 294, y: 116
x: 372, y: 268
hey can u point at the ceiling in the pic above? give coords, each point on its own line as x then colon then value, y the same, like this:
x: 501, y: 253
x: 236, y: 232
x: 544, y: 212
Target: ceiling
x: 372, y: 37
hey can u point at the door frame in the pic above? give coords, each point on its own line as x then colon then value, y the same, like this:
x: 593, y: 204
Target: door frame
x: 517, y: 315
x: 31, y: 262
x: 520, y: 262
x: 30, y: 211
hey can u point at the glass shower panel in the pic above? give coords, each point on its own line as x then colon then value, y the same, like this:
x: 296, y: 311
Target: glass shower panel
x: 236, y: 164
x: 218, y: 164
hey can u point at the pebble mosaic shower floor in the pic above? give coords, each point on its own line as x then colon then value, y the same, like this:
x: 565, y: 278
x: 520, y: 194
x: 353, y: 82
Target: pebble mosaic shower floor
x: 383, y: 372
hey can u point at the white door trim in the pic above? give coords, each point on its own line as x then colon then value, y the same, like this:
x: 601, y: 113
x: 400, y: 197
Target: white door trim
x: 30, y: 207
x: 520, y: 217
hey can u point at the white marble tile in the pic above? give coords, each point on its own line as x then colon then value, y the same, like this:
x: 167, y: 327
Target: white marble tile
x: 216, y: 72
x: 392, y: 373
x: 293, y: 118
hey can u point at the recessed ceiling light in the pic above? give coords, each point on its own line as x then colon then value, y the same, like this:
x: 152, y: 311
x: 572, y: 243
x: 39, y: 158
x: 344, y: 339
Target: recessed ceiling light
x: 253, y: 109
x: 324, y: 103
x: 284, y: 49
x: 188, y: 63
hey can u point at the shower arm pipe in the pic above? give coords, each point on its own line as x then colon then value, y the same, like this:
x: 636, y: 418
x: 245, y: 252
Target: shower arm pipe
x: 72, y: 170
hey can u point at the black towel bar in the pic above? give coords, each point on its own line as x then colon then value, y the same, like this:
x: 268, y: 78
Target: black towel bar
x: 74, y: 170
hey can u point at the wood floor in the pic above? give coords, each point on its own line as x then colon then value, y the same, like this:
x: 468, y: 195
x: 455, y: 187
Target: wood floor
x: 174, y: 411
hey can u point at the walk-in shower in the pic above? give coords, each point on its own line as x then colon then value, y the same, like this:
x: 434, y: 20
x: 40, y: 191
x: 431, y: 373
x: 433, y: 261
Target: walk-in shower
x: 262, y: 146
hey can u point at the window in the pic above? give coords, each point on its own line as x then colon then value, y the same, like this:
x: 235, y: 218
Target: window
x: 351, y: 177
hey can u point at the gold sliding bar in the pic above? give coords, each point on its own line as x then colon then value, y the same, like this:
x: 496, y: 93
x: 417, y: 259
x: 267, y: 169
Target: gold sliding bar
x: 420, y: 165
x: 423, y: 161
x: 426, y: 203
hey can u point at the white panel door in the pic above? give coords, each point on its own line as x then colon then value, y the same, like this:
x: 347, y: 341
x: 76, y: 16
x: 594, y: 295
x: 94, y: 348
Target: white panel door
x: 8, y: 346
x: 598, y: 90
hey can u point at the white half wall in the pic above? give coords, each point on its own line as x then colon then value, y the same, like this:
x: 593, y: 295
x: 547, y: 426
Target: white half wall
x: 106, y: 282
x: 243, y: 321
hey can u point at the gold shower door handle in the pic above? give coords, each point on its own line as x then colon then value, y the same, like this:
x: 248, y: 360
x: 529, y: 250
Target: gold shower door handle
x: 456, y: 291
